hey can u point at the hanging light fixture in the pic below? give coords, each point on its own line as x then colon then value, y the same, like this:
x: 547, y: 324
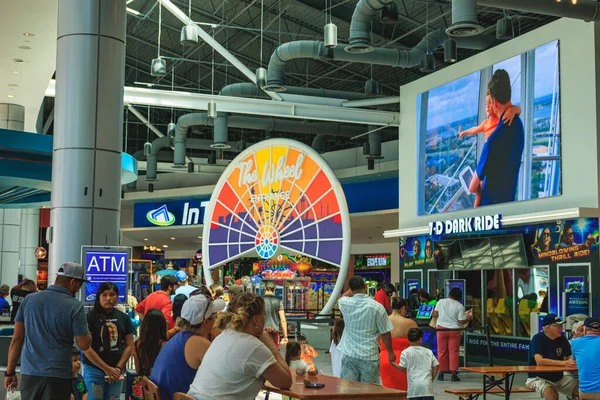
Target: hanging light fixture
x: 450, y: 54
x: 389, y: 14
x: 427, y: 63
x: 212, y: 109
x: 40, y: 252
x: 427, y: 59
x: 504, y: 29
x: 330, y: 35
x: 330, y: 30
x: 147, y: 149
x: 372, y: 87
x: 189, y: 33
x: 261, y: 77
x: 159, y: 65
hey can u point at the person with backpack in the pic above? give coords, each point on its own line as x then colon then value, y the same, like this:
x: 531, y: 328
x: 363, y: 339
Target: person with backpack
x: 112, y: 342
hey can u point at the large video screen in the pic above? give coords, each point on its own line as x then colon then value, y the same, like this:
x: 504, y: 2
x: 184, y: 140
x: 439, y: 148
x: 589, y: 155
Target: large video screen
x: 468, y: 154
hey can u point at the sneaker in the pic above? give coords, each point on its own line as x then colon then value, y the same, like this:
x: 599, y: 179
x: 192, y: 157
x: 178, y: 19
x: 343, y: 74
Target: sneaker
x: 455, y: 378
x: 440, y: 377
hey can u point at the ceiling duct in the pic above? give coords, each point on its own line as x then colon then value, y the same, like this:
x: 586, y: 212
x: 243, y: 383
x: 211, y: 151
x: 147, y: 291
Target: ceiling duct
x: 248, y: 89
x: 464, y: 19
x: 152, y: 159
x: 392, y: 57
x: 360, y: 26
x: 587, y: 10
x: 220, y: 132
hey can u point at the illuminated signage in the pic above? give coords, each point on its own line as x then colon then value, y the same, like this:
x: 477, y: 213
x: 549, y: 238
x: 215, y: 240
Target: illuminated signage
x: 105, y: 266
x: 382, y: 260
x: 170, y: 213
x: 277, y: 196
x: 466, y: 225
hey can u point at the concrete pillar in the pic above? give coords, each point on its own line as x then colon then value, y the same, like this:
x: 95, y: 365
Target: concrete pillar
x: 86, y: 165
x: 30, y: 240
x: 10, y: 221
x: 12, y: 116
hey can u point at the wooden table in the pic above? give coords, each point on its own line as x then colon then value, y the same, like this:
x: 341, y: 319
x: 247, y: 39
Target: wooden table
x: 507, y: 374
x: 336, y: 388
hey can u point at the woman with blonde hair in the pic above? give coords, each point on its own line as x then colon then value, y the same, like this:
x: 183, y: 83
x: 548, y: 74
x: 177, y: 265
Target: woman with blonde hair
x: 243, y: 353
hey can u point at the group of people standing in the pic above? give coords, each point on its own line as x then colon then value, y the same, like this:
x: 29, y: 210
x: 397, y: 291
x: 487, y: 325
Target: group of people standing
x: 213, y: 346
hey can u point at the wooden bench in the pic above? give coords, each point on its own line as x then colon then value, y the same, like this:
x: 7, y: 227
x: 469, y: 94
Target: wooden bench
x: 473, y: 394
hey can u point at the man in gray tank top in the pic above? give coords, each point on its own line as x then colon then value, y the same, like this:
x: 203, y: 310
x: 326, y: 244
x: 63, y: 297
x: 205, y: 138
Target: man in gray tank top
x: 274, y: 313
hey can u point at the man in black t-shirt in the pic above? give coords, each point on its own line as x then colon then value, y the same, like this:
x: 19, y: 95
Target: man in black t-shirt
x: 18, y: 293
x: 551, y: 348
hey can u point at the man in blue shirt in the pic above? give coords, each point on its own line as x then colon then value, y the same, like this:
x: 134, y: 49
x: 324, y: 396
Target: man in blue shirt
x: 45, y: 327
x: 551, y: 348
x: 586, y: 351
x: 4, y: 291
x: 500, y: 161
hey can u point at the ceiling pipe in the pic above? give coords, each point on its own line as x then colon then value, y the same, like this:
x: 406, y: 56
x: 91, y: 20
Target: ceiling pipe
x: 464, y: 19
x: 587, y: 11
x: 392, y: 57
x: 220, y: 132
x: 360, y: 26
x: 247, y: 89
x: 152, y: 159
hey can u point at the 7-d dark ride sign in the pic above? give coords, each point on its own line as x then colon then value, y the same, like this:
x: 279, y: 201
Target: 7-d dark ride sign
x: 466, y: 225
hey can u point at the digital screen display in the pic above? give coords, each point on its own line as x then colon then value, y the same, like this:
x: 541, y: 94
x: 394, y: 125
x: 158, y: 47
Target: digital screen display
x: 425, y: 311
x: 471, y: 157
x: 575, y: 284
x: 450, y: 284
x: 412, y: 284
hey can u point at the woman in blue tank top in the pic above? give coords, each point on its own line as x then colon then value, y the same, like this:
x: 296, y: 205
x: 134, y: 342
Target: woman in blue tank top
x: 178, y: 361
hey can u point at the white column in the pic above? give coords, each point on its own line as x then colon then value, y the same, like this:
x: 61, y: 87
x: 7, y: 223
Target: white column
x: 10, y: 221
x: 30, y: 240
x: 88, y: 135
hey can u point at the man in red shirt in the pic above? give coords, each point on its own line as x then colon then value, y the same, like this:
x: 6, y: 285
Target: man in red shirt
x: 383, y: 296
x: 161, y: 299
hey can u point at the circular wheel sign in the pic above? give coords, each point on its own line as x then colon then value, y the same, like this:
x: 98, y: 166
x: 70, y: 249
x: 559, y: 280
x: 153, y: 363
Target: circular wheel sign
x: 278, y: 195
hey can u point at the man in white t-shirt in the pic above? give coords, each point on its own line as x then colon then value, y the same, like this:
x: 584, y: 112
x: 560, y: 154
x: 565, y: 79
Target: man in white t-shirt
x: 420, y: 365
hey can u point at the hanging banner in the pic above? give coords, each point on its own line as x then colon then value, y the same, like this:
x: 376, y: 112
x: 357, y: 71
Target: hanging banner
x: 576, y: 307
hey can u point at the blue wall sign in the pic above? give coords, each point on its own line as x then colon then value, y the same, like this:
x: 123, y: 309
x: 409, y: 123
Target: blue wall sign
x: 102, y: 266
x: 361, y: 197
x: 169, y: 213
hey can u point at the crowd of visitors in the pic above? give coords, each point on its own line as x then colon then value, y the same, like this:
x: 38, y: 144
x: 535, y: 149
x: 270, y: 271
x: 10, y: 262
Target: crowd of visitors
x: 196, y: 343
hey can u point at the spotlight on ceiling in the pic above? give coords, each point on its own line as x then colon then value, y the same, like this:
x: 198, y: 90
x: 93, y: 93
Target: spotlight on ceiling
x: 450, y: 54
x: 372, y: 87
x: 427, y: 63
x: 330, y: 35
x: 389, y: 14
x: 504, y: 29
x: 189, y: 35
x: 159, y: 67
x: 211, y: 109
x: 261, y: 78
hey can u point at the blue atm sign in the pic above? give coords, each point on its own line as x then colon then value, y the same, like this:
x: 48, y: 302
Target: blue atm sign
x: 102, y: 266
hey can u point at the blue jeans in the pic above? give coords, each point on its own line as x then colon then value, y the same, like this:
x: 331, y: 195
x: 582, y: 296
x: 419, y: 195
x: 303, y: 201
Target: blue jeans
x: 98, y: 388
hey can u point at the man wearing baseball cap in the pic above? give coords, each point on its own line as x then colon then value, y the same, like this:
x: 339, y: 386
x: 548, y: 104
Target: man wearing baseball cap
x: 45, y: 326
x: 176, y: 365
x: 586, y: 351
x: 551, y: 348
x: 184, y: 286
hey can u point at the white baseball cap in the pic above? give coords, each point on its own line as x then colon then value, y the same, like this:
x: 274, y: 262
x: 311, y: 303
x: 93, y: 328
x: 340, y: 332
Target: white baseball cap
x: 198, y: 308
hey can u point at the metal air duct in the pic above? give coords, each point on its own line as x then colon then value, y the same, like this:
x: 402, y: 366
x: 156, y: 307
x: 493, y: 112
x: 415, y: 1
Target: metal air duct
x: 401, y: 58
x: 220, y: 132
x: 587, y: 11
x: 152, y: 159
x: 464, y: 19
x: 360, y: 26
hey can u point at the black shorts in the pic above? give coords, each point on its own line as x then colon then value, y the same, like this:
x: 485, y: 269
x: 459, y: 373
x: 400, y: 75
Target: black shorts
x: 45, y: 388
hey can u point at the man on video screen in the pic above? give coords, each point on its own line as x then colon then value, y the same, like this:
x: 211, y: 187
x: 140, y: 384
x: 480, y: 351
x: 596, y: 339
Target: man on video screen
x: 498, y: 168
